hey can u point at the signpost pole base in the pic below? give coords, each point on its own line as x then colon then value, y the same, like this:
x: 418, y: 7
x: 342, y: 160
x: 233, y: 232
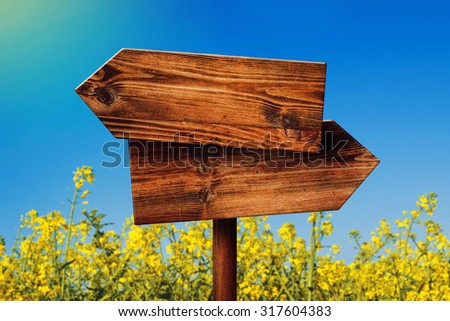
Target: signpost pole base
x: 225, y: 259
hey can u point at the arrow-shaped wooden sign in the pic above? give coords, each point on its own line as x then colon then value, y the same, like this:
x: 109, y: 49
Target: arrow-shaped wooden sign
x: 158, y: 96
x: 179, y: 182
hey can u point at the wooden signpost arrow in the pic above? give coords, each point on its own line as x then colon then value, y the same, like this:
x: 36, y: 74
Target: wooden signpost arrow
x: 217, y: 137
x: 155, y: 95
x: 174, y: 182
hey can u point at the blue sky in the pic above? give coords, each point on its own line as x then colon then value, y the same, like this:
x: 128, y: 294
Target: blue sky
x: 387, y: 85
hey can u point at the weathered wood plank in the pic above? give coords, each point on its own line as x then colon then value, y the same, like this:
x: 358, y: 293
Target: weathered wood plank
x: 154, y: 95
x: 188, y: 182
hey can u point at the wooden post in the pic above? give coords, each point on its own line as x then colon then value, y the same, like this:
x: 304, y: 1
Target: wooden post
x: 225, y: 259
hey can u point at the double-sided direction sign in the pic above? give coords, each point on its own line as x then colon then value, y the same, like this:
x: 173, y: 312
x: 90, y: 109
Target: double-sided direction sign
x: 215, y: 137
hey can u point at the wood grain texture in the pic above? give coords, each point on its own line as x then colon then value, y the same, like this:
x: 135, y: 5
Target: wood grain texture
x: 155, y: 95
x: 225, y: 259
x: 188, y: 182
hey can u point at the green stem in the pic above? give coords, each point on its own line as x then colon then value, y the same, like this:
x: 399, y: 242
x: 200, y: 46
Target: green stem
x: 69, y: 236
x: 312, y: 259
x: 405, y: 253
x: 408, y: 234
x: 16, y: 240
x: 283, y: 287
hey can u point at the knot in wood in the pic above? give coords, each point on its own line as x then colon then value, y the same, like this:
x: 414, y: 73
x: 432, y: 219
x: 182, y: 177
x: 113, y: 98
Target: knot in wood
x: 291, y: 126
x: 105, y: 95
x: 273, y: 116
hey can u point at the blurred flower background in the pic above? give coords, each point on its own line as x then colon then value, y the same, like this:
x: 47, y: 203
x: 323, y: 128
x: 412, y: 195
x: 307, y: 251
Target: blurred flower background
x: 78, y: 257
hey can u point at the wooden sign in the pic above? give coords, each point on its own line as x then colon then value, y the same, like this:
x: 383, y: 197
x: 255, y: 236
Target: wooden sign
x: 210, y: 99
x: 216, y: 137
x: 178, y: 182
